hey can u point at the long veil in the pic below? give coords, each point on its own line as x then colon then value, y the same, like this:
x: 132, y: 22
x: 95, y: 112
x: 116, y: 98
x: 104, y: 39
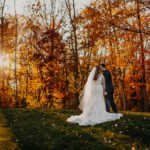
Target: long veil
x: 92, y: 104
x: 85, y: 99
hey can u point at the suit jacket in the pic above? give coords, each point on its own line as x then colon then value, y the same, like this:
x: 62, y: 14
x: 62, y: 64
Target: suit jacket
x: 108, y: 81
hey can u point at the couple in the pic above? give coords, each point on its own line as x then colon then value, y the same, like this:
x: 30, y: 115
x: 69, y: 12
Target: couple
x: 92, y: 99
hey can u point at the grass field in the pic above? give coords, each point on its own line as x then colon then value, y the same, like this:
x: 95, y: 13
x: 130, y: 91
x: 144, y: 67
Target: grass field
x: 45, y: 129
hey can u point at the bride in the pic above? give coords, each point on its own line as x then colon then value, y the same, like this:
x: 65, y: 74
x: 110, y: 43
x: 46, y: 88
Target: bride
x: 92, y: 102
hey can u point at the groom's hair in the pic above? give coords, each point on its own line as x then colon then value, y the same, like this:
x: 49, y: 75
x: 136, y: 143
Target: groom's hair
x: 103, y: 65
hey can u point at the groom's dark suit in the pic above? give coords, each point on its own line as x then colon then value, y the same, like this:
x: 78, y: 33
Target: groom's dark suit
x: 110, y: 90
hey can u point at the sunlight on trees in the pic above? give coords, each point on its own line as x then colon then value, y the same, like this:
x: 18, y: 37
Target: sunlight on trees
x: 46, y: 56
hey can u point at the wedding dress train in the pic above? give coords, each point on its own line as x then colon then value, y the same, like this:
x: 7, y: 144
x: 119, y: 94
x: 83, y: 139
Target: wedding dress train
x: 93, y: 104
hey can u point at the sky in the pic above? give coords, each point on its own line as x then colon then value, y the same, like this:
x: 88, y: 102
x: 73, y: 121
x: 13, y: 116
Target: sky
x: 20, y: 5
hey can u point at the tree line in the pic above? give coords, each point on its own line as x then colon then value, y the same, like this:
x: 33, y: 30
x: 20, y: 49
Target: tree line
x: 51, y: 50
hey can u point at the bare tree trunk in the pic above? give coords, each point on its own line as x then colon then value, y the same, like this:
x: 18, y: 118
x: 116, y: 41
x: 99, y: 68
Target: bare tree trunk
x: 119, y: 69
x: 52, y: 23
x: 2, y: 23
x: 66, y: 86
x: 2, y: 6
x: 143, y: 80
x: 74, y: 46
x: 27, y: 79
x: 15, y: 55
x: 76, y: 53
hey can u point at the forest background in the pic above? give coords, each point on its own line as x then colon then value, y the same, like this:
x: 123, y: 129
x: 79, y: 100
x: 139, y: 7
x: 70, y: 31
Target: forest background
x: 47, y: 52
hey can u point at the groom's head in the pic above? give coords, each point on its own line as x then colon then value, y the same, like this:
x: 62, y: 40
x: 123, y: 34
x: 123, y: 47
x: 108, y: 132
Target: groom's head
x: 103, y: 67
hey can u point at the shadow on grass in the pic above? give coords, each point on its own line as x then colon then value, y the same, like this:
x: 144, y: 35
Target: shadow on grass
x: 6, y: 136
x: 38, y: 129
x: 133, y: 128
x: 136, y: 126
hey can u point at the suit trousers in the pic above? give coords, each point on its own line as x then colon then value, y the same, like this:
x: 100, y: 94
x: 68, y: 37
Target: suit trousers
x: 110, y: 102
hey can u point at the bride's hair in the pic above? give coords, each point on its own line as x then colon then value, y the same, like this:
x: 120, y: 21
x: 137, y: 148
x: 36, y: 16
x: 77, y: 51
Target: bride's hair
x: 97, y: 72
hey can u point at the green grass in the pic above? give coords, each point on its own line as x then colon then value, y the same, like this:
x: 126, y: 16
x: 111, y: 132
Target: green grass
x: 44, y: 129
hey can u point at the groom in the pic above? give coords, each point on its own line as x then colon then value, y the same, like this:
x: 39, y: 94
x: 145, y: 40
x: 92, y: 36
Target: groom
x: 109, y: 89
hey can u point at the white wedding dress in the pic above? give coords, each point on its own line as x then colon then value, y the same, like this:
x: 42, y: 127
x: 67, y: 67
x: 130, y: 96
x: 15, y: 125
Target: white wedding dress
x: 93, y: 104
